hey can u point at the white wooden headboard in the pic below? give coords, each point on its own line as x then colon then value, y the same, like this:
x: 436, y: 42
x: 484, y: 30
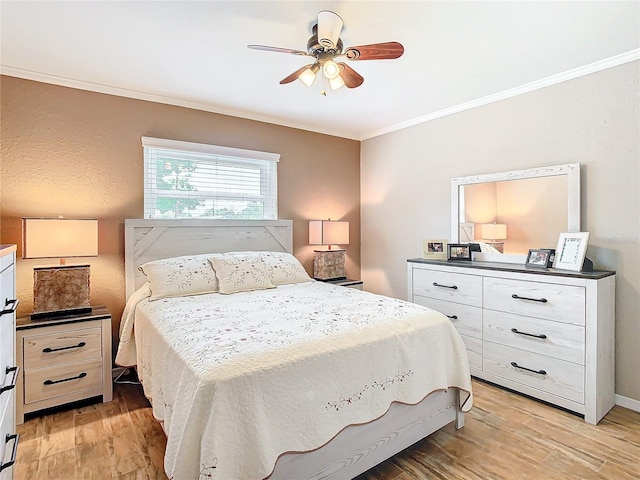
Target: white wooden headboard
x: 148, y: 240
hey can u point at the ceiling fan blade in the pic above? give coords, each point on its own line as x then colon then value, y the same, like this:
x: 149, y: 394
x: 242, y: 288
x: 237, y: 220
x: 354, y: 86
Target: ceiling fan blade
x: 277, y: 49
x: 329, y: 28
x: 295, y: 75
x: 375, y: 51
x: 350, y: 77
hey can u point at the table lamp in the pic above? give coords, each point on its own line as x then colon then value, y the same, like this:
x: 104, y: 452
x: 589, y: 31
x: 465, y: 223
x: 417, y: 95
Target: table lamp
x: 493, y: 232
x: 328, y: 264
x: 60, y: 289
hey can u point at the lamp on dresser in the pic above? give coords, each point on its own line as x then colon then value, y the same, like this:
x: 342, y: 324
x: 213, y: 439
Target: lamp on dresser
x: 328, y: 264
x: 492, y: 233
x: 60, y: 289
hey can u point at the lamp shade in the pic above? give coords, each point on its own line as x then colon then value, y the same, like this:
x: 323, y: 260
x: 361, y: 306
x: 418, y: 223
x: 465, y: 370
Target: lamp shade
x: 328, y: 232
x: 59, y: 237
x: 494, y: 231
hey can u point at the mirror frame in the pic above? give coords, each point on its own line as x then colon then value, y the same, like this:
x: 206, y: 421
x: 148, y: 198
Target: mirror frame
x: 571, y: 170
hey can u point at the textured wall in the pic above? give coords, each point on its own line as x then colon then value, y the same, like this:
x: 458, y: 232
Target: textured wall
x: 593, y: 120
x: 76, y: 153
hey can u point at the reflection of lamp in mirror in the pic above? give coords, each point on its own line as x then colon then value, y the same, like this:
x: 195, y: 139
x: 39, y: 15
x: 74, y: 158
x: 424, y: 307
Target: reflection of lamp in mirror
x: 60, y: 289
x: 328, y: 264
x: 492, y: 232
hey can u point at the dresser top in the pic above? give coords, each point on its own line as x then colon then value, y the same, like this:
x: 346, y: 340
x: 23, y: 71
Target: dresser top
x: 6, y: 249
x: 514, y: 267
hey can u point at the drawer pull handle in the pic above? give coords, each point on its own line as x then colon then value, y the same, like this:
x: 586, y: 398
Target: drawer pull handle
x: 539, y: 372
x: 16, y: 438
x: 13, y: 303
x: 453, y: 317
x: 542, y: 335
x: 541, y: 300
x: 49, y: 349
x: 53, y: 382
x: 13, y: 381
x: 452, y: 287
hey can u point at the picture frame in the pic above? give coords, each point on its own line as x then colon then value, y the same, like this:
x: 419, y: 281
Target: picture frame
x: 435, y: 249
x: 571, y: 251
x: 459, y: 251
x: 540, y: 257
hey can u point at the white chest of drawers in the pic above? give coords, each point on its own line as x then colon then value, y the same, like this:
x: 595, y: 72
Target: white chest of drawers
x: 9, y: 370
x: 548, y: 334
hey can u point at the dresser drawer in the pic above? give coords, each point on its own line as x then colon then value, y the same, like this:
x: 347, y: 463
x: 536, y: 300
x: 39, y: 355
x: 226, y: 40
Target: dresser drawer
x: 451, y: 287
x: 466, y: 319
x: 61, y: 347
x: 563, y: 303
x: 474, y: 351
x: 561, y: 340
x: 7, y: 427
x: 45, y: 383
x: 563, y: 379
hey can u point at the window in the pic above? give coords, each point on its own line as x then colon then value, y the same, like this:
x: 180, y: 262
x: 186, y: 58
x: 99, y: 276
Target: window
x: 194, y: 180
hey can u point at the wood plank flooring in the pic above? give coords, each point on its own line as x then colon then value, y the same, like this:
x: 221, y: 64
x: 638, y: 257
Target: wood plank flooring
x: 506, y: 436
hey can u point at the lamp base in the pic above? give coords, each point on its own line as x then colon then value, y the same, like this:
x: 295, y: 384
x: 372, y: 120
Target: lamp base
x: 60, y: 289
x: 328, y: 265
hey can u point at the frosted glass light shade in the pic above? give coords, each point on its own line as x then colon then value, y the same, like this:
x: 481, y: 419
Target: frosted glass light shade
x: 59, y: 237
x: 330, y: 69
x: 494, y: 231
x: 309, y: 75
x: 328, y: 232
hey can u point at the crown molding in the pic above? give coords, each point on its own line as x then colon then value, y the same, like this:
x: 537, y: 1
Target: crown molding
x: 512, y: 92
x: 610, y: 62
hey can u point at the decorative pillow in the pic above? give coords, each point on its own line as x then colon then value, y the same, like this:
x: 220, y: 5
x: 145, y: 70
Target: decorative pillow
x: 284, y: 268
x: 240, y: 273
x: 180, y: 276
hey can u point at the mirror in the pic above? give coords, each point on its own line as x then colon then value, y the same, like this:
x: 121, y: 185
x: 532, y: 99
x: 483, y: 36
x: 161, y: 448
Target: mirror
x: 515, y: 211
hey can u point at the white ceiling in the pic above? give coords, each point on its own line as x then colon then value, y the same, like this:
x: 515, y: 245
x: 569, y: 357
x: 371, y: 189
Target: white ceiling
x: 457, y: 54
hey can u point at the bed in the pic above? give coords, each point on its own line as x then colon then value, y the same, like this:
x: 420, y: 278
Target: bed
x: 297, y: 380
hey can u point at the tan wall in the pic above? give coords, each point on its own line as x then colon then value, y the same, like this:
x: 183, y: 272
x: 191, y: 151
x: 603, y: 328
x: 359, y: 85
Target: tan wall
x: 593, y: 120
x: 76, y: 153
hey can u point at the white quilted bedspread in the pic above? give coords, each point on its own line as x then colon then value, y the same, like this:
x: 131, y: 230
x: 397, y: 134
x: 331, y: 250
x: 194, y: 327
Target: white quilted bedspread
x: 238, y: 380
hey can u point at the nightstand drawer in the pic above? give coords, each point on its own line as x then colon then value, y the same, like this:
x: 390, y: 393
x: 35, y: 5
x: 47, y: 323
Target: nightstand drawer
x: 451, y: 287
x: 551, y: 301
x: 45, y: 383
x: 61, y: 347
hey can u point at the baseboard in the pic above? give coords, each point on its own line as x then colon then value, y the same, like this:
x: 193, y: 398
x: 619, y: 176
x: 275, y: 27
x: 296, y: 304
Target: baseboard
x: 627, y: 402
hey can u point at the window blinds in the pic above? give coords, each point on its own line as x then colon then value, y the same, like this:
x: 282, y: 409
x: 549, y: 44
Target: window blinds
x: 193, y: 180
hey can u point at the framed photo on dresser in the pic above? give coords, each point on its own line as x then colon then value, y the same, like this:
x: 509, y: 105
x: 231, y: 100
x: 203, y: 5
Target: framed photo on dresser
x: 571, y: 251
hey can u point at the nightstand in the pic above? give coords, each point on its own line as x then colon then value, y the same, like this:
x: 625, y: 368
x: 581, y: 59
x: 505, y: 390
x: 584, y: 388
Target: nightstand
x: 62, y: 360
x: 346, y: 282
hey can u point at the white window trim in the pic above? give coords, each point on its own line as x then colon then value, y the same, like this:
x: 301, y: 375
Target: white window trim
x: 179, y: 145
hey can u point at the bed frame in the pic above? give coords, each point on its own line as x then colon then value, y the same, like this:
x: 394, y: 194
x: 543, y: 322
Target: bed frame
x: 355, y: 449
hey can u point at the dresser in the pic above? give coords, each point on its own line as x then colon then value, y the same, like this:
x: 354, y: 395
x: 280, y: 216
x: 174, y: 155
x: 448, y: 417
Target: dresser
x: 542, y: 332
x: 9, y: 369
x: 62, y: 360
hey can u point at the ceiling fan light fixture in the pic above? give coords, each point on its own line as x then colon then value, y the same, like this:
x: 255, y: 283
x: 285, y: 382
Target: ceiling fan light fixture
x: 329, y: 28
x: 309, y: 75
x: 330, y: 69
x: 336, y: 83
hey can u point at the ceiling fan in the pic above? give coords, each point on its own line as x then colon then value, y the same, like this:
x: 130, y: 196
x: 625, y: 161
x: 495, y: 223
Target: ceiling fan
x: 325, y: 45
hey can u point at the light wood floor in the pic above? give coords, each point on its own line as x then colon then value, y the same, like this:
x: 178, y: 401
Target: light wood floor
x: 506, y: 436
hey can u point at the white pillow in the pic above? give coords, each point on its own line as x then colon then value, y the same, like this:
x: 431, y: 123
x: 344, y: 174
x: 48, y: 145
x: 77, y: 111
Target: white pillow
x: 180, y: 276
x: 240, y: 273
x: 282, y: 267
